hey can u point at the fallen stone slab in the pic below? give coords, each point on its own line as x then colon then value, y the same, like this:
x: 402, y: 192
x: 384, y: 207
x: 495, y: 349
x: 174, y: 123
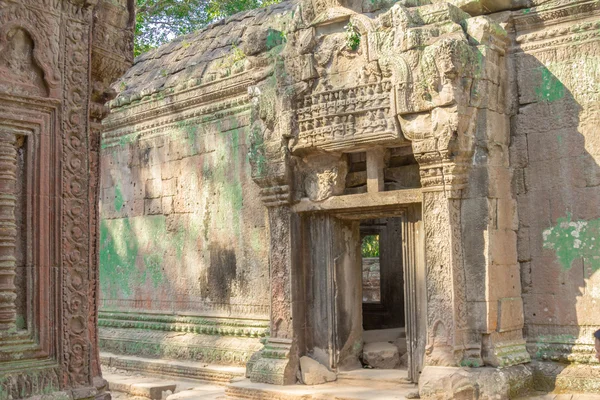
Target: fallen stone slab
x: 205, y: 392
x: 314, y: 373
x: 382, y: 355
x: 150, y: 388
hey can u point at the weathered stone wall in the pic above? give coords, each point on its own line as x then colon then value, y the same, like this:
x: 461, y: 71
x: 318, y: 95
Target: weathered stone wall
x: 184, y: 242
x: 555, y: 154
x: 57, y: 61
x: 182, y: 236
x: 487, y: 122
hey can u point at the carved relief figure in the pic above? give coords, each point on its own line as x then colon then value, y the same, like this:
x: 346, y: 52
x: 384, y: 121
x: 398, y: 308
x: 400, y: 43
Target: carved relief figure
x: 18, y: 68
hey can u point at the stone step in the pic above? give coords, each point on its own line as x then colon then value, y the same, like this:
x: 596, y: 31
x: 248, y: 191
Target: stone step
x: 378, y: 377
x: 246, y: 390
x: 180, y: 370
x: 140, y: 387
x: 383, y: 335
x: 149, y: 388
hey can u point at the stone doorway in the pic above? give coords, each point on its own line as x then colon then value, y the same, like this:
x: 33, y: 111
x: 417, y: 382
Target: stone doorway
x: 384, y: 334
x: 340, y: 324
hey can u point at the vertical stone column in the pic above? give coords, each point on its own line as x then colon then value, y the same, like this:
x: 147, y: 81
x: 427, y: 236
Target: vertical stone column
x: 277, y: 363
x: 448, y: 342
x: 8, y: 230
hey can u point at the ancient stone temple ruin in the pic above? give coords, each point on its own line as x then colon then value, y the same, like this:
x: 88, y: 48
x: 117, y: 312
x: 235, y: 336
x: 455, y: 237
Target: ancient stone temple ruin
x: 244, y: 163
x: 245, y: 166
x: 57, y: 61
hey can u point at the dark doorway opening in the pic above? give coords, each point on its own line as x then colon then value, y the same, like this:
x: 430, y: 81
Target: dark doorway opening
x: 383, y: 314
x: 355, y: 304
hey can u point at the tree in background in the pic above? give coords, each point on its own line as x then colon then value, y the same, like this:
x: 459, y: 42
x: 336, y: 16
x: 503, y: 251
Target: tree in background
x: 159, y: 21
x: 370, y: 246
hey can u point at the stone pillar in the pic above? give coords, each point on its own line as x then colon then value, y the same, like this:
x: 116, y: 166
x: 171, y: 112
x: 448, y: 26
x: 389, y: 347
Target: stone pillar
x: 375, y: 167
x: 278, y: 362
x: 448, y: 342
x: 8, y: 230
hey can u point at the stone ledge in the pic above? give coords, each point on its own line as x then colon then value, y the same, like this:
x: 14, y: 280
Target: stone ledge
x: 213, y: 349
x: 179, y: 369
x: 561, y: 378
x: 260, y: 391
x: 475, y: 383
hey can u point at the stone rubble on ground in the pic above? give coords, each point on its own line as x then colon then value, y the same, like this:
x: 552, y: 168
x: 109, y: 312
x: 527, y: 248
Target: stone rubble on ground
x: 382, y: 355
x: 315, y: 373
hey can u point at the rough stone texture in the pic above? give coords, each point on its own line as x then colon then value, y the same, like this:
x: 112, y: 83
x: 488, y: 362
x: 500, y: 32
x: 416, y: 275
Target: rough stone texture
x: 277, y: 130
x: 183, y: 246
x: 57, y: 61
x: 442, y: 383
x: 315, y: 373
x: 371, y: 279
x: 555, y: 154
x: 382, y: 355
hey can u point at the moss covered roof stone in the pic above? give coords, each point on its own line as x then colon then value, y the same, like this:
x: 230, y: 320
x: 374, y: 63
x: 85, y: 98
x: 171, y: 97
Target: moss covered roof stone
x: 211, y: 53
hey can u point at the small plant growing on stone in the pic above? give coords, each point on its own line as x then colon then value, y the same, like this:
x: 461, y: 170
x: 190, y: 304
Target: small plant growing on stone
x: 352, y: 36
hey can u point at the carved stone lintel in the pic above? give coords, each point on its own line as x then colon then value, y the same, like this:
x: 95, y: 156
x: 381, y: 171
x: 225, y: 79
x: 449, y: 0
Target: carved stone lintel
x: 8, y: 230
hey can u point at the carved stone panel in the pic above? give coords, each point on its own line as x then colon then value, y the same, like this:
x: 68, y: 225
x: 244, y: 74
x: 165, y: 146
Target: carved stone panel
x: 48, y: 255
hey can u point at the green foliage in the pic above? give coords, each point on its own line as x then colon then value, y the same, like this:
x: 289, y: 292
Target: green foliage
x: 159, y: 21
x: 352, y: 36
x: 370, y: 246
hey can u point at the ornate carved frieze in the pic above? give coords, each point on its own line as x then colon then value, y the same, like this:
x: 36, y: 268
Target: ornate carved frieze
x: 334, y: 119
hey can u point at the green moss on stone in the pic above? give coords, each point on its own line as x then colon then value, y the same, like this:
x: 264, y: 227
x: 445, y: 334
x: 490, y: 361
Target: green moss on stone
x: 572, y: 240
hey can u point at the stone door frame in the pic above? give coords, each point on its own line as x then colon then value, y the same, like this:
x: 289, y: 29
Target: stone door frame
x: 42, y: 248
x: 415, y: 306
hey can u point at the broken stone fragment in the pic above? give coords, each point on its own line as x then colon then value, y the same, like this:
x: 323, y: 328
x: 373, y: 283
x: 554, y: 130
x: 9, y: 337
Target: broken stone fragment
x: 315, y: 373
x: 382, y: 355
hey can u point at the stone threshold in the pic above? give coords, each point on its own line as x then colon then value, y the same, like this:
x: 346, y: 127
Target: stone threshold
x: 178, y: 369
x: 338, y: 390
x: 139, y: 387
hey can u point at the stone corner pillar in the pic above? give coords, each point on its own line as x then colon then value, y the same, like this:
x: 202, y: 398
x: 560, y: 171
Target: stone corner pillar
x: 278, y: 362
x: 460, y: 136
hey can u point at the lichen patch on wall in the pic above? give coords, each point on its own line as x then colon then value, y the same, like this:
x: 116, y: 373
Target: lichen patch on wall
x: 572, y: 240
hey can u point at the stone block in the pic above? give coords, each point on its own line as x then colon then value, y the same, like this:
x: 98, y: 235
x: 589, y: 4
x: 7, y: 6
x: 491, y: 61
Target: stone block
x: 498, y: 155
x: 502, y: 246
x: 523, y: 250
x: 506, y: 213
x: 402, y: 346
x: 170, y: 170
x: 151, y: 390
x: 153, y: 189
x: 500, y: 181
x: 153, y: 206
x: 510, y: 314
x: 542, y: 146
x: 503, y: 281
x: 525, y: 276
x: 518, y: 182
x: 169, y: 187
x: 167, y: 205
x: 315, y: 373
x: 477, y: 315
x: 138, y: 207
x: 381, y: 355
x: 497, y: 127
x: 519, y: 154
